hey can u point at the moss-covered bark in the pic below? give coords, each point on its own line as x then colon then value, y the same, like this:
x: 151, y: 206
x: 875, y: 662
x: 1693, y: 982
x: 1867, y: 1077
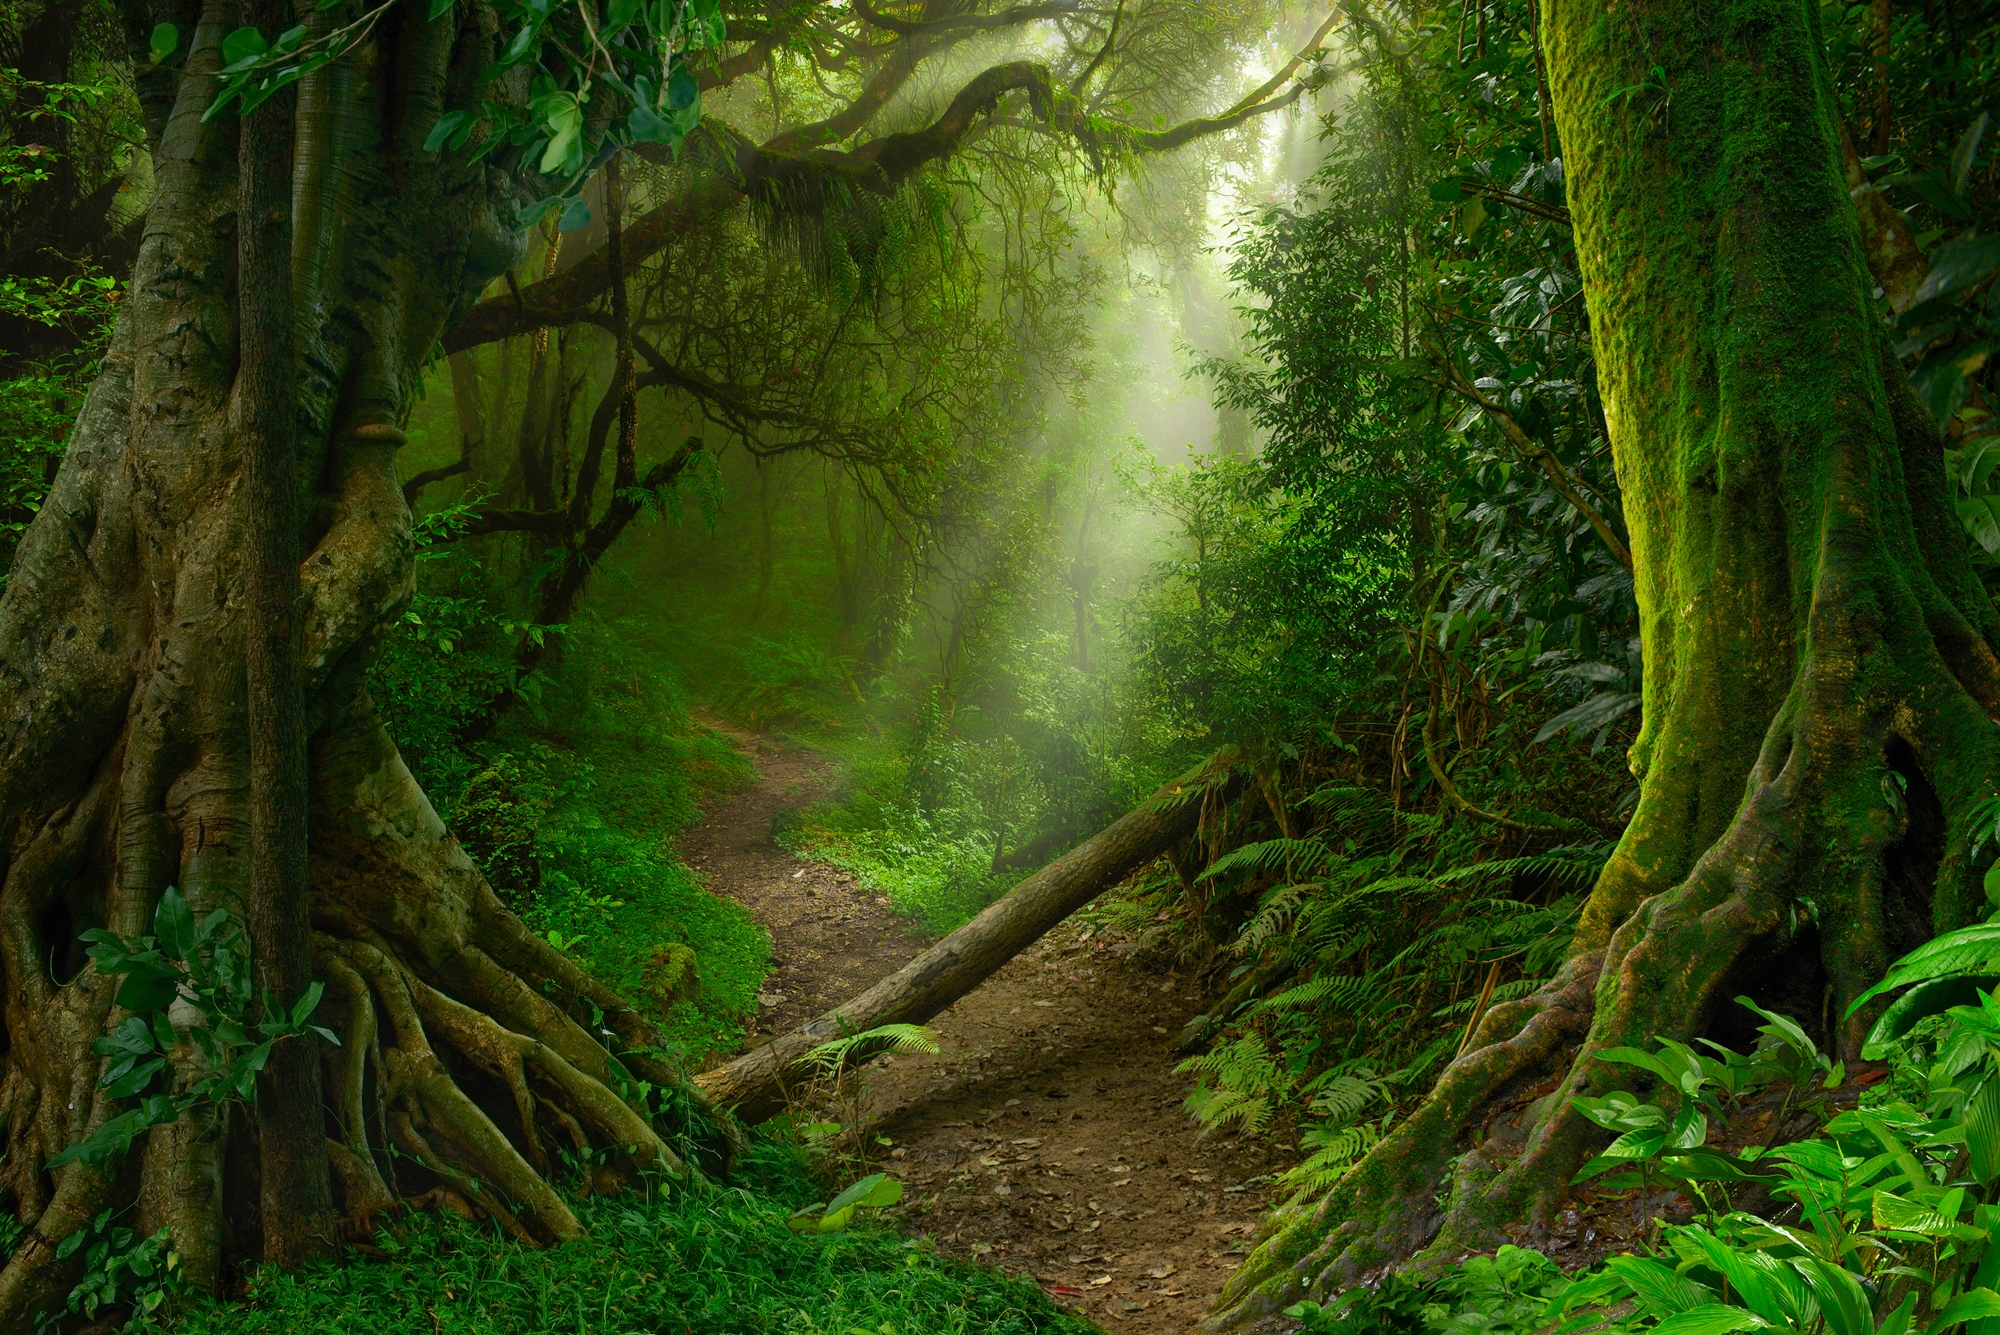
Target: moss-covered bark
x: 1819, y: 661
x: 473, y: 1053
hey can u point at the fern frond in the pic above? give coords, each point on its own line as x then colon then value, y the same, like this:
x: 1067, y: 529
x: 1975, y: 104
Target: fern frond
x: 1300, y: 854
x: 1215, y: 1107
x: 1335, y: 1152
x: 1328, y: 993
x: 831, y: 1057
x: 1569, y: 868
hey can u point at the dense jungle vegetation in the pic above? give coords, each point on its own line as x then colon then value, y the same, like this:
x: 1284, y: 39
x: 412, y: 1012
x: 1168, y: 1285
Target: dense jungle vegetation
x: 1520, y: 475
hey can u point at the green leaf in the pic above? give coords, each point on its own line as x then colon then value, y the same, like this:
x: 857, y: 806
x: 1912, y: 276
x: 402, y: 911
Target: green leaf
x: 1907, y: 1216
x: 307, y: 1003
x: 1960, y: 265
x: 1704, y: 1165
x: 135, y: 1080
x: 646, y: 127
x: 149, y: 986
x: 242, y: 47
x: 1842, y: 1301
x: 1982, y: 1131
x: 1754, y: 1276
x: 438, y: 9
x: 1966, y: 152
x: 173, y: 925
x: 1710, y: 1319
x: 1923, y: 1001
x: 708, y: 27
x: 1659, y: 1290
x: 1645, y: 1061
x: 1448, y: 191
x: 575, y: 216
x: 682, y: 90
x: 1972, y: 1305
x: 448, y: 125
x: 1690, y: 1128
x: 165, y: 41
x: 620, y: 14
x: 1964, y: 951
x: 875, y: 1191
x: 1636, y: 1145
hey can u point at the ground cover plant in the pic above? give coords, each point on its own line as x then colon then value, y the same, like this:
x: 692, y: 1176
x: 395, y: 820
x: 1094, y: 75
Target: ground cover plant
x: 711, y: 1259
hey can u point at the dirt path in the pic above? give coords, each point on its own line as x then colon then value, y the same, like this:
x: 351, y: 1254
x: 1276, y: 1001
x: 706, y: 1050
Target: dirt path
x: 829, y: 938
x: 1047, y: 1137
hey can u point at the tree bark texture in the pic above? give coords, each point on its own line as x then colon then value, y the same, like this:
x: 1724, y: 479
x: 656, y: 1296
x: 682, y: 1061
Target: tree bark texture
x: 295, y: 1196
x: 1820, y: 668
x: 135, y: 753
x: 756, y: 1085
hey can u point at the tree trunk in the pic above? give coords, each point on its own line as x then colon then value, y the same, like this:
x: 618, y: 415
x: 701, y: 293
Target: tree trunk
x: 295, y: 1198
x: 1820, y: 667
x: 126, y: 757
x: 755, y: 1085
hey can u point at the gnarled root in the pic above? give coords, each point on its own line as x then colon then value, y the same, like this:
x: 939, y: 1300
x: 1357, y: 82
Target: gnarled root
x: 473, y: 1057
x: 1857, y: 802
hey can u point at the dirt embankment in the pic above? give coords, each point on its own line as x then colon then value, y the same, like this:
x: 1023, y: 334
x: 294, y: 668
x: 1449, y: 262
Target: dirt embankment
x: 1047, y: 1138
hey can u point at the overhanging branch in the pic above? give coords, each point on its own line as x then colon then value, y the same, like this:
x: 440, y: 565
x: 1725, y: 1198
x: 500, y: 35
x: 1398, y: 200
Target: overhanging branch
x: 809, y: 180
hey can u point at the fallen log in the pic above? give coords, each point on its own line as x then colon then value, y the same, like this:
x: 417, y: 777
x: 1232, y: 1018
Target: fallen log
x: 755, y: 1084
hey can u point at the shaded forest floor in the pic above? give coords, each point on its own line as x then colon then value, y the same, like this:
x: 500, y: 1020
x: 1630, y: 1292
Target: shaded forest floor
x: 1046, y: 1138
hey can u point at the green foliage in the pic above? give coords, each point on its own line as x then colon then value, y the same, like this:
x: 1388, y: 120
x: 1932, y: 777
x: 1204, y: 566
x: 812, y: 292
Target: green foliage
x: 444, y: 666
x: 1387, y: 943
x: 1673, y: 1139
x: 1507, y: 1293
x: 120, y: 1270
x: 499, y: 821
x: 1883, y: 1224
x: 833, y: 1057
x: 203, y: 965
x: 877, y: 1191
x: 721, y: 1261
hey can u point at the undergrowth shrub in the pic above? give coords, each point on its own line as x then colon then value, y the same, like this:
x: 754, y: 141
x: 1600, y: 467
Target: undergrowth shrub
x: 1883, y: 1220
x: 705, y: 1260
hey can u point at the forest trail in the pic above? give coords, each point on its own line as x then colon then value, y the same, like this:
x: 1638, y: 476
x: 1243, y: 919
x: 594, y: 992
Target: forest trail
x: 1046, y: 1138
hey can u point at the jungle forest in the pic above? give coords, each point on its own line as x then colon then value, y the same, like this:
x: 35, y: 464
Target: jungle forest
x: 1000, y: 667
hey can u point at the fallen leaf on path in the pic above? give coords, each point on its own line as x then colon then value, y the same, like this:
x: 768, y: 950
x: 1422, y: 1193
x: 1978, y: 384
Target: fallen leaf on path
x: 1101, y: 1281
x: 1162, y: 1271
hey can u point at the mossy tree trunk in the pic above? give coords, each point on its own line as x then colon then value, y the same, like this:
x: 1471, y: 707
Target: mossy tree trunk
x: 473, y: 1054
x: 1820, y: 667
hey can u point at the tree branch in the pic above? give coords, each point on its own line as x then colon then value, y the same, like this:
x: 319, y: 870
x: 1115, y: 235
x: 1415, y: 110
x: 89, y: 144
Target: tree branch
x: 967, y: 23
x: 1528, y: 449
x: 415, y: 486
x: 809, y: 180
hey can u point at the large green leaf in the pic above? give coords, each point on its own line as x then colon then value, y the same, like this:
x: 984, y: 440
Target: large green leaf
x: 1659, y: 1290
x: 1972, y: 1305
x: 1967, y: 950
x: 1710, y: 1319
x: 1982, y: 1131
x: 149, y: 986
x: 1842, y: 1300
x: 173, y: 925
x: 1755, y: 1286
x: 1925, y: 1000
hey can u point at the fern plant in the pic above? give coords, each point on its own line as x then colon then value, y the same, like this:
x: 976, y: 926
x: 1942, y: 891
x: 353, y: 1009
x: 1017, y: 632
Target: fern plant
x: 829, y: 1059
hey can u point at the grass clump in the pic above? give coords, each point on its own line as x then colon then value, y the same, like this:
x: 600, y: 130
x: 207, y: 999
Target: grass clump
x: 683, y: 1261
